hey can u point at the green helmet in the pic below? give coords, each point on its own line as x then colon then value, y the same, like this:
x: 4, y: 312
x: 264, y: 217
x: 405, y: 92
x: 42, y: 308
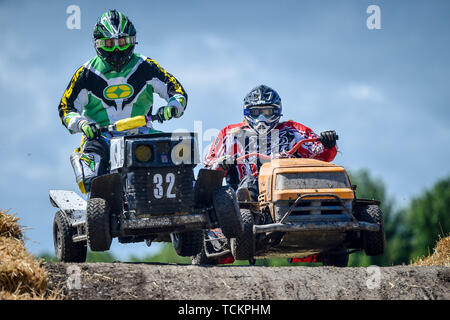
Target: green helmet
x: 114, y: 39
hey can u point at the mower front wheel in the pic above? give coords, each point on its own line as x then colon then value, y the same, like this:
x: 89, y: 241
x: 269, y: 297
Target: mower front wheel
x: 373, y: 242
x: 65, y: 249
x: 243, y: 246
x: 201, y: 258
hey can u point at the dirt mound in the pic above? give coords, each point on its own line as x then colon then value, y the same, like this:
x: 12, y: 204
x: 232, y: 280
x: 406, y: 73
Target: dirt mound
x: 440, y: 256
x: 21, y: 276
x: 186, y: 282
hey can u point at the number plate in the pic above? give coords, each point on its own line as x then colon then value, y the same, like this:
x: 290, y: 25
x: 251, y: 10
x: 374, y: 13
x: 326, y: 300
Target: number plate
x: 161, y: 191
x: 163, y: 186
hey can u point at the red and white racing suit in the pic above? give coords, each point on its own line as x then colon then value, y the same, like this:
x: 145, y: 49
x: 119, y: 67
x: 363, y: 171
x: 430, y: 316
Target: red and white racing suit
x: 239, y: 139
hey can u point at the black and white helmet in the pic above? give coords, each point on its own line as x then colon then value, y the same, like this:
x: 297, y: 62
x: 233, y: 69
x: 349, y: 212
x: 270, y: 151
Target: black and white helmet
x: 262, y: 109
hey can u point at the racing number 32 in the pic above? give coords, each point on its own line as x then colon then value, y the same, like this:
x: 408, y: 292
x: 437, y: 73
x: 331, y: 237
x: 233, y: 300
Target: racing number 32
x: 158, y: 191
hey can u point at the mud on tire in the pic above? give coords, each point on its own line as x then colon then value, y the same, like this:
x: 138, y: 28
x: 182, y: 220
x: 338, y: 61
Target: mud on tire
x: 243, y: 246
x: 373, y: 243
x: 227, y: 211
x: 188, y: 243
x: 98, y: 224
x: 65, y: 249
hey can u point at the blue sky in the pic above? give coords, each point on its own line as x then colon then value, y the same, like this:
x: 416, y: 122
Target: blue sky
x: 386, y: 92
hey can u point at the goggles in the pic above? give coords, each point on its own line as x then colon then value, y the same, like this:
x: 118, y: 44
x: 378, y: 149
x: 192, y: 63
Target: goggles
x: 267, y: 111
x: 110, y: 45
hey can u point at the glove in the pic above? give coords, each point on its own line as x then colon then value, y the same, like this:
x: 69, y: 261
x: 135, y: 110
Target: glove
x: 226, y: 162
x: 166, y: 113
x: 90, y: 130
x: 328, y: 138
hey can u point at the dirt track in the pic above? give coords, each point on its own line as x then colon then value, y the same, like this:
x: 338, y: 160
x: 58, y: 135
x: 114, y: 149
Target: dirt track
x: 181, y: 282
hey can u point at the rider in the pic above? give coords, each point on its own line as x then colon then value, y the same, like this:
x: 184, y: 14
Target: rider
x: 116, y: 84
x: 262, y: 132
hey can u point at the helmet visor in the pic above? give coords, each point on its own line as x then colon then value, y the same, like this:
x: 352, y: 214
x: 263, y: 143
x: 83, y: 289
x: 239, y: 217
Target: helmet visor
x: 110, y: 45
x: 266, y: 111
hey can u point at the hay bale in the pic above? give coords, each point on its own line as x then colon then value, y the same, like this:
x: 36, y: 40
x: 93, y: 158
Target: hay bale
x: 21, y: 276
x: 9, y: 226
x: 440, y: 256
x: 19, y: 272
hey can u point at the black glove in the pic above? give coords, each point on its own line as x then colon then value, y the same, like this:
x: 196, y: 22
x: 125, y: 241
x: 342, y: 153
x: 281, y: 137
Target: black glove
x: 328, y: 138
x: 226, y: 162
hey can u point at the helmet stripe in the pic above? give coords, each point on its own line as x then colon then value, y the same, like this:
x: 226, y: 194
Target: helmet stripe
x: 106, y: 24
x: 123, y: 22
x: 113, y: 27
x: 115, y: 23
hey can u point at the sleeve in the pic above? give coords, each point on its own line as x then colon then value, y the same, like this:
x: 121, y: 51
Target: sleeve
x: 217, y: 150
x: 72, y: 102
x: 313, y: 150
x: 168, y: 87
x: 225, y: 143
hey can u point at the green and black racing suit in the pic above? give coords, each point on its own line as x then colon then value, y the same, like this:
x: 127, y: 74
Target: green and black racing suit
x: 99, y: 94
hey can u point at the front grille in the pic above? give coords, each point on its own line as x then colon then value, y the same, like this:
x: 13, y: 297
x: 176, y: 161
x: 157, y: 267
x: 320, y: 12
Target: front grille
x: 313, y: 208
x: 317, y: 207
x: 152, y: 192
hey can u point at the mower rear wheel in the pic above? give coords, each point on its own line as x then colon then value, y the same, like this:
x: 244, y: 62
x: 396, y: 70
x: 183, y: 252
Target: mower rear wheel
x: 227, y: 211
x: 98, y: 228
x: 188, y: 243
x: 335, y: 260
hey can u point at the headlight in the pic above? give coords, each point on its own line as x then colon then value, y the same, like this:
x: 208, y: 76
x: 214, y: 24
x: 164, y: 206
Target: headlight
x: 143, y: 153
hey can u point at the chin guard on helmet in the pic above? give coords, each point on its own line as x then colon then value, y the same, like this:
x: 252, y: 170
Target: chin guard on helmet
x: 262, y: 119
x: 262, y: 109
